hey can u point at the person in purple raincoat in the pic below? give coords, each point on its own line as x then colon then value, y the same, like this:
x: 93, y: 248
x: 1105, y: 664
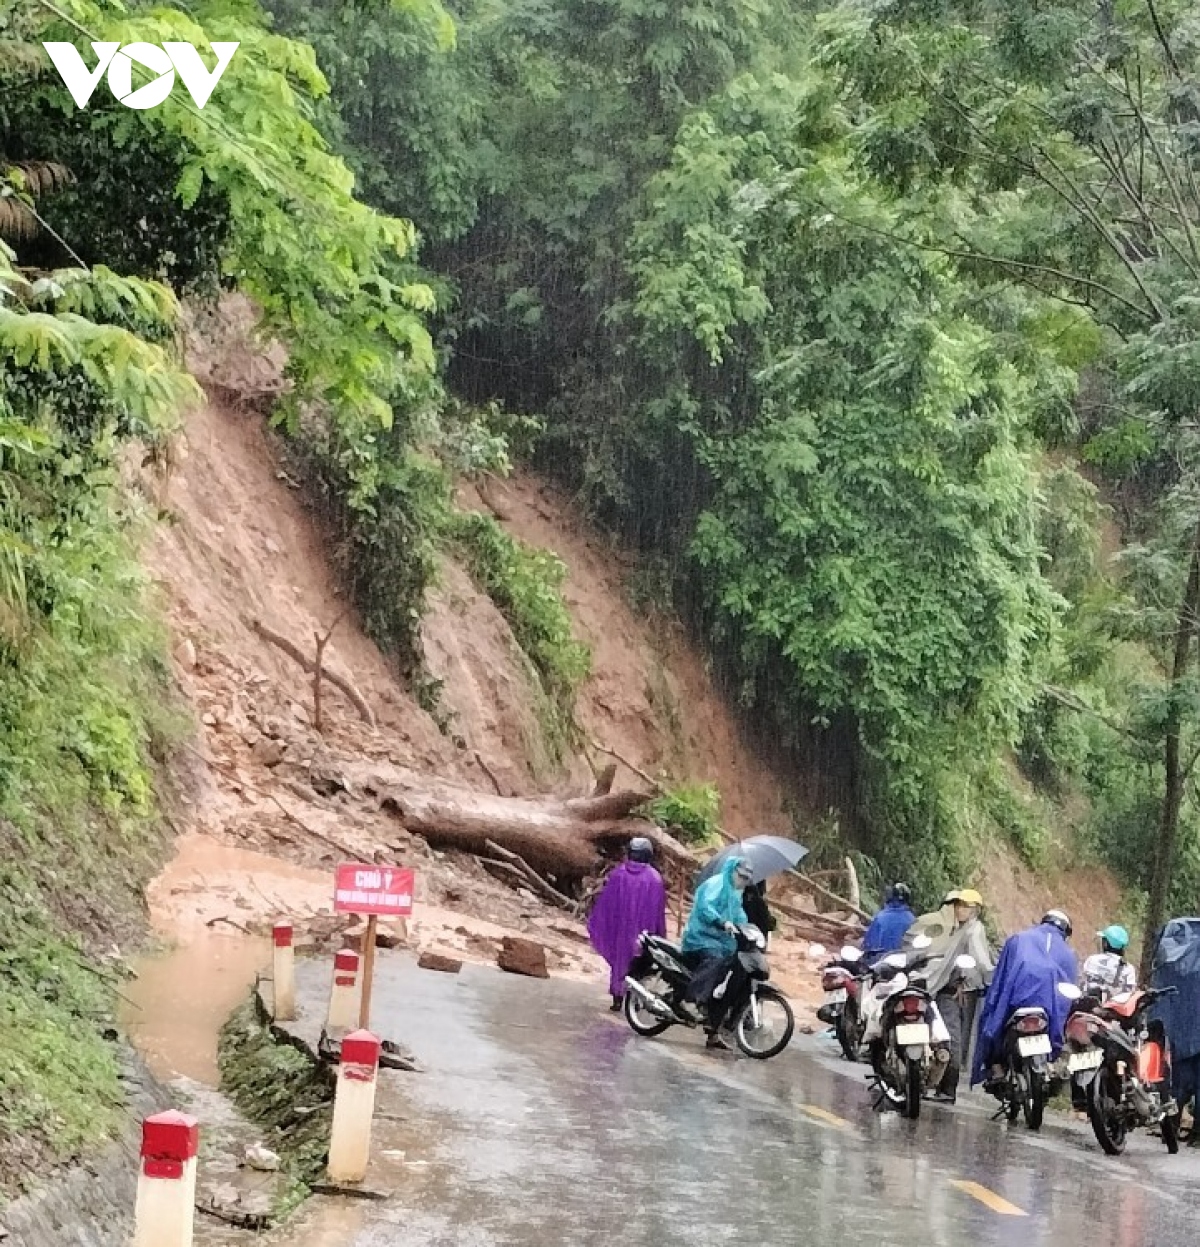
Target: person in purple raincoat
x: 633, y: 900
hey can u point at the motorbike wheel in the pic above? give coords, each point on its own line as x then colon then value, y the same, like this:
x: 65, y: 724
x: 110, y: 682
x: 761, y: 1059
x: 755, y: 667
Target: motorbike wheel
x: 848, y: 1032
x: 775, y: 1032
x: 1107, y: 1126
x: 914, y: 1085
x: 1170, y: 1132
x: 641, y: 1020
x: 1033, y: 1103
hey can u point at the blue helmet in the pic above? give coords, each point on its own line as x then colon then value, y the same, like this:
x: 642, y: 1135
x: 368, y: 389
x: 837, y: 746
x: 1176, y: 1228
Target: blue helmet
x: 1114, y: 938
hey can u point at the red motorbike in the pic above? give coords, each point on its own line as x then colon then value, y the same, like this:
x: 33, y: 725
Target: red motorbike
x: 842, y: 980
x: 1121, y: 1065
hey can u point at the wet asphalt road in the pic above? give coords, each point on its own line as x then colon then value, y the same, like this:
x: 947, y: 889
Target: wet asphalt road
x: 542, y: 1120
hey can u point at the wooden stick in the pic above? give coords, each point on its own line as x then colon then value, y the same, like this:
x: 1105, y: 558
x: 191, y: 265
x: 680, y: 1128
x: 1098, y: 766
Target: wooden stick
x: 368, y: 969
x: 318, y: 666
x: 637, y: 770
x: 832, y: 897
x: 852, y: 885
x: 548, y: 890
x: 294, y: 652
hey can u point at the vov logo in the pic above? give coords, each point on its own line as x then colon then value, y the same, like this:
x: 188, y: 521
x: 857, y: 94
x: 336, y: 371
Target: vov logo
x: 163, y: 62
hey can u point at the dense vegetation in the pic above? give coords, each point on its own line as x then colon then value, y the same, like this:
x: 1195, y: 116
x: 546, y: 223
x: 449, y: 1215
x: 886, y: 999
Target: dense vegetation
x: 874, y: 324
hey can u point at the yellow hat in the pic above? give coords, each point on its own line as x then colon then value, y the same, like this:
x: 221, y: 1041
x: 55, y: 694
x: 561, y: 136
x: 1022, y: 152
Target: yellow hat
x: 968, y: 896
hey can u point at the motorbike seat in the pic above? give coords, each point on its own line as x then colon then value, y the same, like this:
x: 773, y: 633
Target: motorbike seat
x: 668, y: 946
x: 1124, y: 1006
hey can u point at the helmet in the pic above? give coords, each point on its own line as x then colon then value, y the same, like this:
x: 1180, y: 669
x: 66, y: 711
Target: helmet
x: 640, y: 850
x: 899, y: 892
x: 968, y: 896
x: 1056, y: 918
x: 1114, y: 938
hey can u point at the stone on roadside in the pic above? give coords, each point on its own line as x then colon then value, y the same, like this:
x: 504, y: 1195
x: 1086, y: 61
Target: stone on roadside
x: 439, y: 961
x: 519, y: 956
x: 185, y: 654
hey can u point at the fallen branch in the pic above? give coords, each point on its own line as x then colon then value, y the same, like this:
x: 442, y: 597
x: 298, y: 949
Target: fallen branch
x: 547, y: 890
x: 229, y: 922
x: 637, y: 770
x: 242, y: 1220
x: 318, y: 668
x: 832, y: 897
x: 487, y: 770
x: 852, y: 885
x: 297, y: 654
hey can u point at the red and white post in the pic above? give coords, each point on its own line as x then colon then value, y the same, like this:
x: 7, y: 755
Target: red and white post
x: 343, y: 995
x: 166, y: 1194
x: 284, y: 988
x: 354, y: 1107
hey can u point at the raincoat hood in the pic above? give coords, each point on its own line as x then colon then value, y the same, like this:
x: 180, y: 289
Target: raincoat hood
x: 717, y: 902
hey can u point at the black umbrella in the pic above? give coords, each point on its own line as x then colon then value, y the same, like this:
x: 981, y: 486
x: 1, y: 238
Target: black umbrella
x: 767, y: 855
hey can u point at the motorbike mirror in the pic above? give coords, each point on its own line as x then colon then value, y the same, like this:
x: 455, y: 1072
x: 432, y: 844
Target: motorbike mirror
x: 1069, y: 990
x: 897, y: 960
x: 965, y: 962
x: 921, y: 941
x: 816, y: 952
x: 850, y: 953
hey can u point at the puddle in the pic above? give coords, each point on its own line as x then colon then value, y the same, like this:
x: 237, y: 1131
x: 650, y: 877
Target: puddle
x: 182, y: 998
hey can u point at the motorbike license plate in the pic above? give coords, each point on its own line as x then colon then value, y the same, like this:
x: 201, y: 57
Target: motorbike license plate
x: 1085, y: 1060
x: 836, y: 997
x: 912, y: 1033
x: 1034, y: 1045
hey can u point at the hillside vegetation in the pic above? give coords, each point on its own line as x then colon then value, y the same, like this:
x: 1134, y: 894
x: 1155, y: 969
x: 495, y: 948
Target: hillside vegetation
x: 871, y: 327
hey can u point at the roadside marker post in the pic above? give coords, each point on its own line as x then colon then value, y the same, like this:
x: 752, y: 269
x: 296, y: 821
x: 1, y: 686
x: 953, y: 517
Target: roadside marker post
x: 354, y: 1107
x: 343, y: 995
x: 164, y: 1215
x: 284, y: 985
x: 373, y: 891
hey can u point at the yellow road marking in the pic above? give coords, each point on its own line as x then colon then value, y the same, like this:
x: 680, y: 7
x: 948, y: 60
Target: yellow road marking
x: 995, y: 1202
x: 821, y: 1114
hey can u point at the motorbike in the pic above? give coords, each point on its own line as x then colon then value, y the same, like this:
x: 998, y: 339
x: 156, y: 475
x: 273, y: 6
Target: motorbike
x: 911, y: 1052
x: 759, y: 1016
x: 1122, y: 1065
x: 842, y: 981
x: 1028, y: 1063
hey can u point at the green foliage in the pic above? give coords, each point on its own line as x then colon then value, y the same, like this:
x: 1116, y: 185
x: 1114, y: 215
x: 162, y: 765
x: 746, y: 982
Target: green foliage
x: 690, y: 811
x: 525, y: 584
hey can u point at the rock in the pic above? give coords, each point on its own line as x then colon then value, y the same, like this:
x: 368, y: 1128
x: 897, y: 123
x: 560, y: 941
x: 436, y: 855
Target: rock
x: 261, y: 1158
x: 300, y: 713
x: 209, y: 720
x: 185, y: 655
x: 519, y: 956
x: 268, y: 752
x: 437, y: 961
x: 388, y: 939
x: 272, y: 546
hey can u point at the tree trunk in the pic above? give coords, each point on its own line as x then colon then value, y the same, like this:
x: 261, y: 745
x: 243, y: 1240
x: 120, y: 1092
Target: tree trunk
x: 562, y: 837
x: 1175, y: 773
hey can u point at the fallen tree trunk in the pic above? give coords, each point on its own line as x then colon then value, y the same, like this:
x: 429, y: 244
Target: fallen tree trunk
x: 563, y: 838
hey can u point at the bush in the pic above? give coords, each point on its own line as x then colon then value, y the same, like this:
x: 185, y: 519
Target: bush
x: 692, y: 812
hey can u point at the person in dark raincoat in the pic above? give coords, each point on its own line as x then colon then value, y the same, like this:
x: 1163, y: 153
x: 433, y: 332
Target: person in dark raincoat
x: 633, y: 900
x: 1032, y: 964
x: 708, y: 943
x: 758, y: 914
x: 888, y: 927
x: 1177, y: 964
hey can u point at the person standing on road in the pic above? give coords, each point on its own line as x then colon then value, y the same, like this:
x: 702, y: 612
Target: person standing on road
x: 956, y: 992
x: 1032, y: 965
x: 754, y: 902
x: 1177, y: 964
x: 888, y: 927
x: 633, y: 900
x: 708, y: 939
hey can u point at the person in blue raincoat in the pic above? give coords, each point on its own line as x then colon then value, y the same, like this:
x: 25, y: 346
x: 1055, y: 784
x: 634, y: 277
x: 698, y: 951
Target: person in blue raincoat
x: 888, y: 927
x: 708, y: 945
x: 1032, y: 964
x: 1177, y: 964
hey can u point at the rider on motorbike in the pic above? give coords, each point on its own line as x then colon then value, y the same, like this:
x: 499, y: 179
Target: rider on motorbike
x: 1032, y: 964
x: 708, y: 944
x: 1107, y: 973
x: 887, y: 929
